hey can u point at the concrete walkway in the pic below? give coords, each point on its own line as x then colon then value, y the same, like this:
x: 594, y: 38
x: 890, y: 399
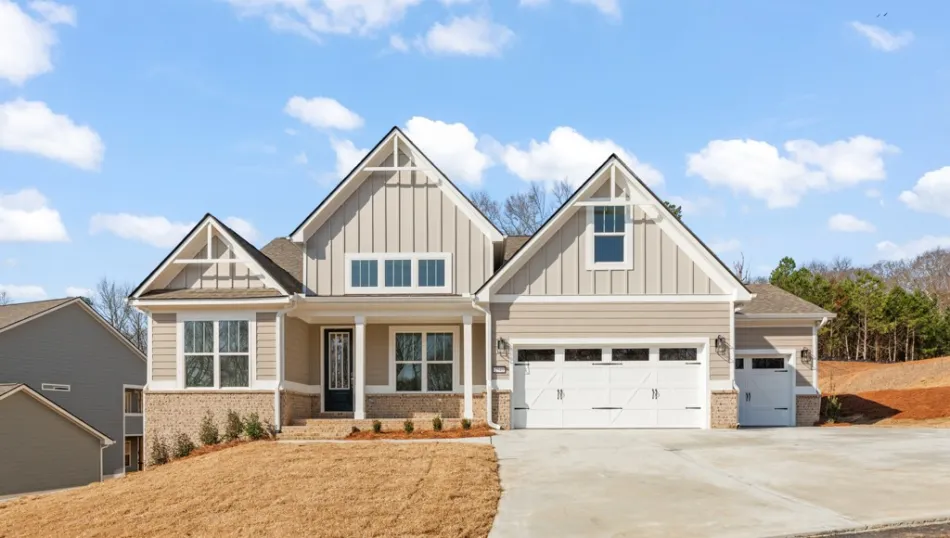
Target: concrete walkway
x: 763, y: 482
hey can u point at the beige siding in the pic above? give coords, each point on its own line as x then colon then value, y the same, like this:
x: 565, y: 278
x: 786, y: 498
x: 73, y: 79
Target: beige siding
x: 377, y: 354
x: 297, y: 350
x: 397, y: 212
x: 613, y: 320
x: 216, y: 276
x: 164, y: 346
x: 780, y: 337
x: 266, y: 346
x: 315, y: 353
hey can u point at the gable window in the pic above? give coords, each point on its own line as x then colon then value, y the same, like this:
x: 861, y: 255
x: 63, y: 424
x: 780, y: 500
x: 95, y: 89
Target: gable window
x: 398, y: 273
x: 424, y: 360
x: 364, y: 274
x: 216, y: 353
x: 409, y: 272
x: 431, y: 273
x: 611, y: 238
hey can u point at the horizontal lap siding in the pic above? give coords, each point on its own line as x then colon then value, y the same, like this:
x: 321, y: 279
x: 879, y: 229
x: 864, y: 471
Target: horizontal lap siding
x: 297, y: 350
x: 164, y: 347
x: 266, y: 346
x: 787, y: 337
x: 613, y: 320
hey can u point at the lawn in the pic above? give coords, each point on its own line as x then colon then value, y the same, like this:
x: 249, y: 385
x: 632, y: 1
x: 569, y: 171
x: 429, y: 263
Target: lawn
x: 271, y: 489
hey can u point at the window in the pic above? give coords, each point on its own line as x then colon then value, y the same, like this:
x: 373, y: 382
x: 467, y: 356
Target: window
x: 582, y: 355
x: 678, y: 354
x: 768, y: 364
x: 431, y: 273
x: 364, y: 274
x: 610, y: 244
x: 629, y: 354
x: 535, y: 355
x: 740, y: 364
x: 133, y: 401
x: 128, y: 452
x: 54, y: 387
x: 217, y: 354
x: 425, y: 361
x: 398, y: 273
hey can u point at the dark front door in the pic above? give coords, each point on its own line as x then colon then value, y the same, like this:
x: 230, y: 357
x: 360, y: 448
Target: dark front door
x: 338, y: 367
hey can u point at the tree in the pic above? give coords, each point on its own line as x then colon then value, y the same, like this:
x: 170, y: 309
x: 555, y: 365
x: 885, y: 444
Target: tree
x: 4, y: 299
x: 739, y: 269
x: 676, y: 210
x: 111, y: 302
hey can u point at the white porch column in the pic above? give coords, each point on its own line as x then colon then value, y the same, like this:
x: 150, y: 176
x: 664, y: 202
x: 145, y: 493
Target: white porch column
x: 469, y: 359
x: 359, y: 368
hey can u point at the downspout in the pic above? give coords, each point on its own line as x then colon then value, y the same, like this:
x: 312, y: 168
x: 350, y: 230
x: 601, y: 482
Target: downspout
x: 281, y: 329
x: 489, y: 349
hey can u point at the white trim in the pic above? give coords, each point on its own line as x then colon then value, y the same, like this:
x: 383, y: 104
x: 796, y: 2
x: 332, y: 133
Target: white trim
x: 627, y: 263
x: 203, y: 261
x: 279, y: 378
x: 503, y: 384
x: 303, y: 388
x: 323, y: 330
x: 106, y: 441
x: 359, y: 368
x: 452, y: 329
x: 413, y: 257
x: 148, y: 351
x: 816, y: 317
x: 252, y: 302
x: 556, y: 299
x: 467, y: 375
x: 814, y: 356
x: 563, y: 342
x: 720, y: 384
x: 55, y: 387
x: 732, y: 344
x: 236, y: 315
x: 807, y: 391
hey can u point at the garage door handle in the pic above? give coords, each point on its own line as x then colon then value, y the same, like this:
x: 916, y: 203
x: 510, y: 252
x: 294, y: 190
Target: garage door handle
x: 697, y: 363
x: 694, y: 408
x: 522, y: 408
x: 606, y: 364
x: 777, y: 371
x: 606, y: 407
x: 781, y: 409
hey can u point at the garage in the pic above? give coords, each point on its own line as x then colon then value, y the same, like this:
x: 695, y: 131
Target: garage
x: 765, y: 391
x: 622, y: 386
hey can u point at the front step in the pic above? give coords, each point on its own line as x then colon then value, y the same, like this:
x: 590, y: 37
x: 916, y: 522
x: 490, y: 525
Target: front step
x: 340, y: 428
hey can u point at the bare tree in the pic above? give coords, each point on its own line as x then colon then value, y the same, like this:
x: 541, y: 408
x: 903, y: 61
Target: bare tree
x: 4, y: 298
x: 524, y: 212
x: 110, y: 301
x: 561, y: 191
x: 487, y: 205
x: 741, y: 271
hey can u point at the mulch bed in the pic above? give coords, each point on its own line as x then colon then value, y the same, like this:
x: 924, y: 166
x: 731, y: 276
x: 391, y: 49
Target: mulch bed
x: 457, y: 433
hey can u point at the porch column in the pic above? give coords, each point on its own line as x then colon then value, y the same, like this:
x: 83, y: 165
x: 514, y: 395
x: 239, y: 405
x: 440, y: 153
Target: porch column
x: 359, y: 368
x: 469, y: 360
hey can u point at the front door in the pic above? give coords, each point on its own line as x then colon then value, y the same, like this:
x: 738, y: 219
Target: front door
x: 338, y: 366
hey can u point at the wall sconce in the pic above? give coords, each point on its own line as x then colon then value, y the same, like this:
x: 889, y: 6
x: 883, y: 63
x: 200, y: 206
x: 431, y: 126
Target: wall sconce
x: 501, y: 344
x: 722, y: 346
x: 806, y: 356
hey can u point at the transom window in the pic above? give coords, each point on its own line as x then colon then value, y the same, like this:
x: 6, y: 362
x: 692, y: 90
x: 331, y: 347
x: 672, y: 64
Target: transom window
x: 425, y: 361
x: 216, y: 354
x: 768, y: 364
x: 364, y: 274
x: 630, y: 354
x: 431, y: 273
x: 583, y: 355
x: 426, y: 272
x: 535, y: 355
x: 678, y: 354
x: 398, y: 273
x: 612, y: 235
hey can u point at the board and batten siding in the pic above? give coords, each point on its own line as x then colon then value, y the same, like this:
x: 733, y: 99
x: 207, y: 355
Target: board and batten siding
x: 215, y: 276
x: 556, y: 321
x: 780, y: 337
x: 394, y: 212
x: 266, y: 346
x: 560, y: 266
x: 164, y: 346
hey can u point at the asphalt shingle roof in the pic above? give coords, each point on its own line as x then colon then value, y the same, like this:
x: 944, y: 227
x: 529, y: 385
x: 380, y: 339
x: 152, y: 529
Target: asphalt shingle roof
x: 771, y: 299
x: 198, y: 293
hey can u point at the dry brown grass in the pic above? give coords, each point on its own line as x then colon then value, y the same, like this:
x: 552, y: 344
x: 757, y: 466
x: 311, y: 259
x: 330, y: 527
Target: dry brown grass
x: 454, y: 433
x: 270, y: 489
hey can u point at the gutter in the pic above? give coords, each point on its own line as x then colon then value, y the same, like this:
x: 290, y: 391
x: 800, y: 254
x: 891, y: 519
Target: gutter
x: 489, y: 348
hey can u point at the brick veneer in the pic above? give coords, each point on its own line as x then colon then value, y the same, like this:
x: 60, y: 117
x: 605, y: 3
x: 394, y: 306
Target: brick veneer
x: 724, y: 409
x: 169, y: 413
x: 297, y: 405
x: 807, y: 409
x: 449, y: 406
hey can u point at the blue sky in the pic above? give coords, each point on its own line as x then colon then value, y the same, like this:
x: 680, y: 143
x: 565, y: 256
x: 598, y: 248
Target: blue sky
x: 807, y: 128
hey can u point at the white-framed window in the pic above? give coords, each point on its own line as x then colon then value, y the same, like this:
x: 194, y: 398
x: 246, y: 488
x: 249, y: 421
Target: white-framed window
x: 55, y: 387
x: 128, y: 452
x: 133, y: 401
x: 414, y: 272
x: 579, y: 354
x: 610, y: 238
x: 424, y: 359
x: 216, y: 353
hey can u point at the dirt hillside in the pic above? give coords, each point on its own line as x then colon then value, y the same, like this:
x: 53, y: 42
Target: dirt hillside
x: 841, y: 377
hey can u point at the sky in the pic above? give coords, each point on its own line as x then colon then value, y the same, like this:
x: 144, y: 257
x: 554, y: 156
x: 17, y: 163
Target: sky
x: 809, y: 129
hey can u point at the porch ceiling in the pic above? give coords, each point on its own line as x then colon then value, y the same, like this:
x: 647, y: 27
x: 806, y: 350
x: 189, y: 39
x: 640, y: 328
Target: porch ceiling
x: 391, y: 310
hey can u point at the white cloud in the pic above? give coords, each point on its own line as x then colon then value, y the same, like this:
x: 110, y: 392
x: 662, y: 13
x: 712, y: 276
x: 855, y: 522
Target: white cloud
x: 25, y: 42
x: 312, y: 18
x: 843, y: 222
x: 55, y: 13
x: 23, y: 293
x: 610, y: 8
x: 758, y: 169
x: 290, y: 132
x: 347, y: 156
x: 244, y: 228
x: 567, y: 154
x: 728, y: 245
x: 323, y: 112
x: 873, y: 193
x: 881, y: 39
x: 31, y: 127
x: 931, y: 194
x: 155, y: 231
x: 398, y: 43
x: 467, y: 36
x: 76, y: 291
x: 26, y: 216
x: 301, y: 158
x: 911, y: 249
x: 453, y: 147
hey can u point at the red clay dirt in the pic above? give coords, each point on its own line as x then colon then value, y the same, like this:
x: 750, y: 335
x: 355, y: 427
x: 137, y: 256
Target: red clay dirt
x: 851, y: 377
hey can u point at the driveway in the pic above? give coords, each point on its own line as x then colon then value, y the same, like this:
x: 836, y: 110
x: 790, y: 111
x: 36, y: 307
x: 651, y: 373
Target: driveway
x: 756, y: 482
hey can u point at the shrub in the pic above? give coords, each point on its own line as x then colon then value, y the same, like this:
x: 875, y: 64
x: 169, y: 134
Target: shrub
x: 377, y: 426
x: 354, y: 429
x: 466, y: 424
x: 437, y: 424
x: 832, y: 408
x: 183, y: 446
x: 408, y: 427
x: 208, y: 434
x: 253, y: 428
x: 159, y: 454
x: 233, y: 427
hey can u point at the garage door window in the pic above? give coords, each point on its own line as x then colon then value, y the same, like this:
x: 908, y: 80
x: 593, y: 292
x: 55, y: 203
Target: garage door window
x: 630, y: 354
x: 740, y: 364
x: 535, y: 355
x: 678, y: 354
x: 768, y: 364
x: 582, y: 355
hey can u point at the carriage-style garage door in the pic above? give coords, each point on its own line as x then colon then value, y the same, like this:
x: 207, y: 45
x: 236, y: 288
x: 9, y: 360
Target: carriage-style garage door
x: 628, y: 387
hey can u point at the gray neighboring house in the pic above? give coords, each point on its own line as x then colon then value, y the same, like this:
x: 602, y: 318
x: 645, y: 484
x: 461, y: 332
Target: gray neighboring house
x: 67, y: 353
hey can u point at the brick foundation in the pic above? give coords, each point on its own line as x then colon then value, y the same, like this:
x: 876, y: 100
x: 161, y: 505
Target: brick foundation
x: 297, y: 405
x: 807, y: 409
x: 724, y: 409
x: 448, y: 406
x: 170, y: 413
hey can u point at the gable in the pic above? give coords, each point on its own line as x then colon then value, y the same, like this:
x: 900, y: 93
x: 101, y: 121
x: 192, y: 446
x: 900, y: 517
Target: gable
x: 228, y: 274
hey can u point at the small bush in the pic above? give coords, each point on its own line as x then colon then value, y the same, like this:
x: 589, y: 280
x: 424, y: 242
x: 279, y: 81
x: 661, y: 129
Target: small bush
x: 354, y: 429
x: 377, y: 426
x: 466, y: 424
x: 183, y: 446
x: 253, y: 428
x: 832, y: 408
x: 208, y: 434
x: 437, y: 424
x: 408, y: 426
x: 159, y: 454
x: 233, y: 427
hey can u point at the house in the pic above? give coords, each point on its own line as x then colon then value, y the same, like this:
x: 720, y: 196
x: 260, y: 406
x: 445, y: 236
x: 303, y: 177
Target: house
x: 72, y: 359
x: 43, y: 446
x: 397, y: 298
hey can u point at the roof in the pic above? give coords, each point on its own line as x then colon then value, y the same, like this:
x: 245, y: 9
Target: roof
x: 12, y: 314
x: 251, y: 293
x: 772, y: 300
x: 288, y: 256
x: 7, y: 390
x: 286, y: 280
x: 513, y: 243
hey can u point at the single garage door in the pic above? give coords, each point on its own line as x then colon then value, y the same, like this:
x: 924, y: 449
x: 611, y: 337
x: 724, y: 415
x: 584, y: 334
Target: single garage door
x: 630, y: 387
x: 765, y: 391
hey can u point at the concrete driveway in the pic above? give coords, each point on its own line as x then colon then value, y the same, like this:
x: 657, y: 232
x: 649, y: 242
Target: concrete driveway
x: 757, y: 482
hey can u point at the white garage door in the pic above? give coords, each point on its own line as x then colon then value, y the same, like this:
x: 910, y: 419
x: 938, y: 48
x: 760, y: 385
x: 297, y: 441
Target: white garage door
x: 574, y: 387
x: 765, y: 391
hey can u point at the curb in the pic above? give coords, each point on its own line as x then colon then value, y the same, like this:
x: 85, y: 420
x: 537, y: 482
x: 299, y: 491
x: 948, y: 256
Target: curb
x: 881, y: 526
